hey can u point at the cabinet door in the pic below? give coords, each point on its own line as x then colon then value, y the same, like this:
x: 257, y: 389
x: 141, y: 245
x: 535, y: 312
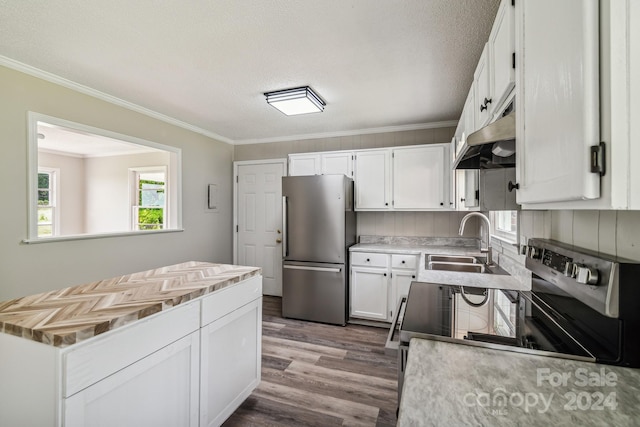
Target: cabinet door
x: 419, y: 177
x: 400, y: 282
x: 337, y: 163
x: 502, y: 47
x: 468, y: 113
x: 304, y: 164
x: 558, y: 100
x: 230, y: 362
x: 159, y: 390
x: 369, y: 293
x: 482, y: 86
x: 471, y: 189
x: 372, y: 179
x: 495, y: 194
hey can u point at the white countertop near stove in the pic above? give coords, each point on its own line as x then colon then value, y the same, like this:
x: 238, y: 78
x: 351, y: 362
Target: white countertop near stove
x: 449, y: 384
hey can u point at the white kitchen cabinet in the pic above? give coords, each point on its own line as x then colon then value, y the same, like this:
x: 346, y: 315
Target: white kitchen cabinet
x: 495, y: 194
x: 373, y: 179
x: 482, y: 90
x: 421, y: 177
x: 369, y: 293
x: 403, y: 271
x: 230, y: 370
x: 619, y: 109
x: 501, y: 56
x: 378, y: 281
x: 149, y: 372
x: 304, y: 164
x: 160, y: 389
x: 329, y: 163
x: 339, y: 162
x: 471, y: 189
x: 558, y: 107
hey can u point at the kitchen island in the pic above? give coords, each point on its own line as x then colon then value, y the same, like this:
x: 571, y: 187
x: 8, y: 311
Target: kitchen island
x: 178, y: 345
x: 456, y: 384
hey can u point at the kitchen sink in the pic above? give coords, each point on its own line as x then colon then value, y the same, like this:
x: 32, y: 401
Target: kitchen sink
x: 464, y: 267
x: 453, y: 258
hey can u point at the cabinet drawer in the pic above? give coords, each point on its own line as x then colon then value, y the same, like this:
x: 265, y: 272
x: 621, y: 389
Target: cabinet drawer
x: 404, y: 261
x: 224, y: 301
x: 113, y: 351
x: 369, y: 259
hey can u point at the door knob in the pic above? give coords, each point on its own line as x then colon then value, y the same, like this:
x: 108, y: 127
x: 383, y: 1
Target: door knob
x: 278, y: 231
x: 513, y: 186
x: 278, y: 240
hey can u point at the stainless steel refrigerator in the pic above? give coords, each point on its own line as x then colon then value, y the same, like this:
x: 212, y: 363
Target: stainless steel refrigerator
x: 319, y: 226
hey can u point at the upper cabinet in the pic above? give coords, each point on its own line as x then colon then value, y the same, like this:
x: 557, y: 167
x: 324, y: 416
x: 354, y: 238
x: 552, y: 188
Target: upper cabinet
x: 328, y: 163
x: 421, y: 177
x: 408, y: 178
x: 373, y: 179
x: 482, y: 90
x: 578, y: 84
x: 558, y: 105
x: 502, y: 48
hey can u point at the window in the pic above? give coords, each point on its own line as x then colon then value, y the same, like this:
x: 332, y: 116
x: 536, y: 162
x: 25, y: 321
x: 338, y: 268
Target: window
x: 47, y: 203
x: 100, y: 195
x: 504, y: 225
x: 149, y: 204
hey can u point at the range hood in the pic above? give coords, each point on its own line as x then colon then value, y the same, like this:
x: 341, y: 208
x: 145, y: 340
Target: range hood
x: 493, y: 146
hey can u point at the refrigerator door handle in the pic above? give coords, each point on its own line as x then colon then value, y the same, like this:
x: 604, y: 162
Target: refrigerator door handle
x: 325, y: 269
x: 285, y: 235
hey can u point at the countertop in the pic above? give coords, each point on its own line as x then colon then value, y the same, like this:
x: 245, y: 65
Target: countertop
x: 67, y: 316
x: 445, y: 246
x: 456, y: 384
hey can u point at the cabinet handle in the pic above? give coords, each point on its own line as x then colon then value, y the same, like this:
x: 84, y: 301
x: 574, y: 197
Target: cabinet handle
x: 462, y: 200
x: 513, y: 186
x: 368, y: 260
x: 385, y: 274
x: 487, y: 101
x: 403, y: 261
x: 386, y: 204
x: 413, y: 276
x: 483, y: 107
x: 441, y: 203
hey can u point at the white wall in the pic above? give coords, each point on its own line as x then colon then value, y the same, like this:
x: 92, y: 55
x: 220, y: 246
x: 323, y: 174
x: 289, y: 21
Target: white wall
x: 70, y: 191
x: 108, y: 189
x: 29, y: 268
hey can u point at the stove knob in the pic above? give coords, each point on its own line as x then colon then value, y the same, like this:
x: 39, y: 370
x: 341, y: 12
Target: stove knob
x: 535, y: 253
x: 588, y: 276
x: 568, y: 269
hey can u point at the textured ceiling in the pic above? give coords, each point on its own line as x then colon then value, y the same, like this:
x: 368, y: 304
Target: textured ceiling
x: 376, y: 63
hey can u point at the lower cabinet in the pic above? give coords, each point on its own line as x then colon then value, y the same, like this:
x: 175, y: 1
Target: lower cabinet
x: 369, y: 293
x: 161, y: 389
x: 230, y: 369
x: 191, y: 365
x: 376, y: 288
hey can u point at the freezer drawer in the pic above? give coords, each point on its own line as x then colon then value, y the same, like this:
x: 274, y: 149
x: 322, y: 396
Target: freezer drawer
x: 314, y: 291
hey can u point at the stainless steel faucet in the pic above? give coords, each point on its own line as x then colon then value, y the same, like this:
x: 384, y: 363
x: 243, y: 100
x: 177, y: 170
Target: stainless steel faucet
x: 487, y: 227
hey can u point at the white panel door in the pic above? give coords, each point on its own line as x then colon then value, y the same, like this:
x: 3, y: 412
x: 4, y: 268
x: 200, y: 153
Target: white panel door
x: 259, y: 221
x: 419, y: 177
x: 372, y: 179
x: 558, y: 99
x: 159, y: 390
x: 337, y: 163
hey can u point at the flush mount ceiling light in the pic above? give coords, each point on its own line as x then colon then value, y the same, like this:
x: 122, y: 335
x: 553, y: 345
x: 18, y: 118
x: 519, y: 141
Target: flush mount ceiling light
x: 300, y: 100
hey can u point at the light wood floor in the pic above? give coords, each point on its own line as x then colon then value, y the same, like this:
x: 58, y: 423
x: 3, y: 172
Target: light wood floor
x: 320, y: 375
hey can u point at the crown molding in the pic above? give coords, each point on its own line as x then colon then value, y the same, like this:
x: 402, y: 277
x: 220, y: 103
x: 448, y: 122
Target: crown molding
x: 53, y: 78
x: 434, y: 125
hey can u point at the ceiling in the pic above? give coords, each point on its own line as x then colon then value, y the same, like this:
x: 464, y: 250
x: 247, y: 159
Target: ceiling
x: 378, y: 64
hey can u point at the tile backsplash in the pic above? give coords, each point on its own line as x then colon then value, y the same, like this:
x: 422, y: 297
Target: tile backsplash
x: 415, y: 224
x: 614, y: 233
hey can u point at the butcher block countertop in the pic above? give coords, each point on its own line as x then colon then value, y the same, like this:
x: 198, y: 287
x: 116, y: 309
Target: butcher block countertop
x: 70, y: 315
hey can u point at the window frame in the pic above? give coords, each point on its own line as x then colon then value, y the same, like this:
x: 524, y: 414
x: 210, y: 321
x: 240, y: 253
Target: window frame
x: 507, y: 236
x: 175, y: 167
x: 134, y: 192
x: 54, y: 196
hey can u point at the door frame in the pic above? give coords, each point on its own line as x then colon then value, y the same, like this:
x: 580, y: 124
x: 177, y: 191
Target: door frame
x: 236, y: 164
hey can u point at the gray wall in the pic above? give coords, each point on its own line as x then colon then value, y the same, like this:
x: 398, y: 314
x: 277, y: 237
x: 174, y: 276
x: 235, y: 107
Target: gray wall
x: 29, y: 268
